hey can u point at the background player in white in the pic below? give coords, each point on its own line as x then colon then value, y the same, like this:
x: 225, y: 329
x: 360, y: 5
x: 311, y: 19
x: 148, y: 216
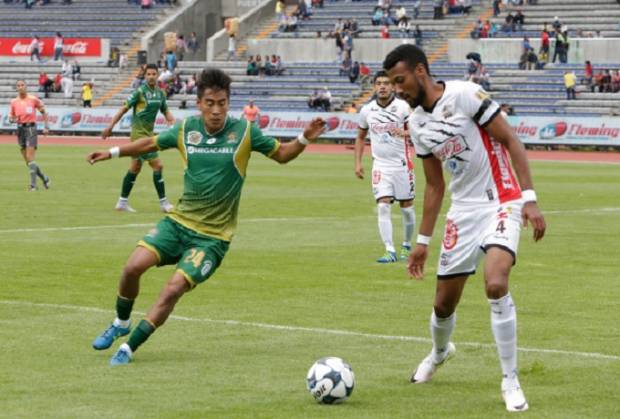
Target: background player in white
x: 392, y: 170
x: 452, y: 123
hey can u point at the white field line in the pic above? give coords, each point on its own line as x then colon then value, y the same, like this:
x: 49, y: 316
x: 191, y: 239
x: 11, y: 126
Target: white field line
x: 274, y: 219
x: 322, y: 331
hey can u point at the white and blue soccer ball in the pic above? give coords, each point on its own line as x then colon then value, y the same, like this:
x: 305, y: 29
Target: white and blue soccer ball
x: 330, y: 380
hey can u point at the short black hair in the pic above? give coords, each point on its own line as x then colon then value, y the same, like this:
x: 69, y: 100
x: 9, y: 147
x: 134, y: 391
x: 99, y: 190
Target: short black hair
x: 380, y: 73
x: 215, y: 79
x: 151, y: 67
x: 409, y: 54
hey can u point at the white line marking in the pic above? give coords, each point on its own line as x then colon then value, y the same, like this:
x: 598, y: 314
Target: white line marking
x: 318, y: 330
x: 272, y: 219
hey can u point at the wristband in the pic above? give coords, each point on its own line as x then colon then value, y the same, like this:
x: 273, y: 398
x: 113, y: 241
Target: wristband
x: 422, y: 239
x: 528, y: 195
x: 302, y: 140
x: 115, y: 152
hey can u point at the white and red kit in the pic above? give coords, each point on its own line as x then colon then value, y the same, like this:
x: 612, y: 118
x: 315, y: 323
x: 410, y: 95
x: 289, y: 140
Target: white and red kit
x: 392, y: 168
x: 486, y: 197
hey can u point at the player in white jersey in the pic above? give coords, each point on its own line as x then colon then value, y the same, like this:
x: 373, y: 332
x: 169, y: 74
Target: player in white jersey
x: 385, y: 118
x: 456, y: 124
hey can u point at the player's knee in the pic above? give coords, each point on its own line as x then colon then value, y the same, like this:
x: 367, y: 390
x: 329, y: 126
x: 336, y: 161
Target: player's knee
x: 444, y: 309
x: 496, y: 288
x: 172, y: 292
x: 133, y: 270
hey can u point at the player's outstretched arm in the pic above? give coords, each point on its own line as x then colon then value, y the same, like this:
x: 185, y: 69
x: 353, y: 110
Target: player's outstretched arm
x: 169, y: 118
x: 360, y: 143
x: 292, y: 149
x: 108, y: 130
x: 41, y: 109
x: 433, y: 197
x: 504, y: 134
x: 134, y: 149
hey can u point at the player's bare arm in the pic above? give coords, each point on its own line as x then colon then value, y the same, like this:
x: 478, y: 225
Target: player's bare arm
x: 360, y: 143
x: 169, y: 118
x: 41, y: 109
x: 134, y: 149
x: 290, y: 150
x: 499, y: 130
x: 107, y: 132
x: 433, y: 197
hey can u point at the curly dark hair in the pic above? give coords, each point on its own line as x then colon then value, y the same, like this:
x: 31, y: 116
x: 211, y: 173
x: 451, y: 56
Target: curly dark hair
x: 409, y: 54
x: 215, y: 79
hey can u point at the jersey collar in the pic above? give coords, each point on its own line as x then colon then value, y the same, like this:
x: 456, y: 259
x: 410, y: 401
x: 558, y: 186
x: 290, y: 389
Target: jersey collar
x: 432, y: 108
x: 218, y: 131
x: 387, y: 104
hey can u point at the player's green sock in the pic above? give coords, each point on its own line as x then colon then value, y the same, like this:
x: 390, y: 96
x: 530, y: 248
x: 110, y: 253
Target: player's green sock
x: 128, y: 181
x: 123, y: 307
x: 140, y: 334
x: 158, y: 181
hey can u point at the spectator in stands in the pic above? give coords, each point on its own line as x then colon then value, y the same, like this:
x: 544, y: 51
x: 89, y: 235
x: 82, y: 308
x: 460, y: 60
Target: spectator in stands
x: 477, y: 31
x: 588, y: 76
x: 302, y: 11
x: 559, y: 51
x: 192, y: 44
x: 557, y: 25
x: 122, y: 61
x: 67, y: 85
x: 570, y: 80
x: 232, y: 48
x: 87, y: 95
x: 417, y: 34
x: 354, y: 28
x: 339, y: 45
x: 279, y: 67
x: 404, y: 27
x: 564, y: 55
x: 268, y: 66
x: 325, y: 99
x: 29, y: 3
x: 480, y: 76
x: 58, y: 43
x: 34, y: 48
x: 532, y: 60
x: 251, y: 67
x: 171, y: 60
x: 523, y: 59
x: 525, y: 44
x: 606, y: 82
x: 354, y: 73
x: 385, y: 32
x: 280, y: 6
x: 190, y: 86
x: 166, y: 76
x: 251, y: 111
x: 416, y: 8
x: 45, y: 84
x: 544, y: 45
x: 437, y: 9
x: 509, y: 23
x: 260, y: 65
x: 181, y: 46
x: 598, y: 81
x: 58, y: 82
x: 347, y: 43
x: 146, y: 4
x: 317, y: 3
x: 496, y: 9
x: 365, y: 78
x: 376, y: 16
x: 519, y: 20
x: 114, y: 57
x: 76, y: 71
x: 615, y: 81
x: 313, y: 100
x: 345, y: 66
x: 401, y: 13
x: 137, y: 82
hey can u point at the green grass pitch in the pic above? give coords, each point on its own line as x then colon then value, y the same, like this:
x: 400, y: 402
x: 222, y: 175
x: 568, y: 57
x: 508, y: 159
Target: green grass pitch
x: 303, y: 259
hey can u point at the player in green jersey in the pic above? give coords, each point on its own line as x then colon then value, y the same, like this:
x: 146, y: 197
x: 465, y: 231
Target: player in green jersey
x: 146, y: 101
x: 215, y: 149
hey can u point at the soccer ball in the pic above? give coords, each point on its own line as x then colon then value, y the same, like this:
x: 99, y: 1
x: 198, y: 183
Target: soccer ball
x: 330, y: 380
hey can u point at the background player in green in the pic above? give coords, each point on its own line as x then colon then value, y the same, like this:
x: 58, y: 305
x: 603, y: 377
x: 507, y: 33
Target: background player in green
x: 215, y: 149
x: 146, y: 101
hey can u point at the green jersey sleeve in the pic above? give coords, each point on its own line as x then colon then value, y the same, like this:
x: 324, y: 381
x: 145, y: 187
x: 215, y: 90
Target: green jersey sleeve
x: 133, y: 99
x: 263, y: 143
x: 170, y: 138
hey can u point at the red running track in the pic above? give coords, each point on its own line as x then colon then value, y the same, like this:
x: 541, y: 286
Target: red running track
x: 573, y: 156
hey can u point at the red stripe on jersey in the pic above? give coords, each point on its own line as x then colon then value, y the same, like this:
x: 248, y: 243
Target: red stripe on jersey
x: 507, y: 187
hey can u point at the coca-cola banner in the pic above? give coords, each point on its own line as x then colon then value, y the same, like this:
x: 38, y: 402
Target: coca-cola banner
x: 72, y: 47
x: 604, y: 131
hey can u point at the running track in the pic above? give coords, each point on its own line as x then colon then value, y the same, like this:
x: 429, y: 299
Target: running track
x: 572, y: 156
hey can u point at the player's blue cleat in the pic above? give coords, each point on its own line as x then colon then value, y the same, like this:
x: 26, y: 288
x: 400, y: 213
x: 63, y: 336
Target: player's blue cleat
x: 107, y: 338
x: 405, y: 251
x: 388, y: 257
x: 122, y: 356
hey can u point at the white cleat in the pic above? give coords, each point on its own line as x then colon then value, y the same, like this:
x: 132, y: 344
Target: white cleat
x: 513, y: 395
x: 428, y: 366
x: 166, y: 206
x: 123, y: 206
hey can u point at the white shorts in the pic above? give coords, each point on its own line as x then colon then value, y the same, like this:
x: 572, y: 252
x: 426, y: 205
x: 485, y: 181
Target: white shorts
x: 395, y: 183
x: 471, y: 230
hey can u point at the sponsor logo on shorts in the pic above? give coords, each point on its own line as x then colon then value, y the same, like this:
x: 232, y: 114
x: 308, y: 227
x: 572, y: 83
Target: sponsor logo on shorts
x: 232, y: 138
x: 444, y: 259
x: 451, y: 236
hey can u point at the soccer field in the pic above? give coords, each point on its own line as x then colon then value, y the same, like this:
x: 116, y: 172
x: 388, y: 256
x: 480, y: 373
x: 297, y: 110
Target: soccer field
x: 298, y: 283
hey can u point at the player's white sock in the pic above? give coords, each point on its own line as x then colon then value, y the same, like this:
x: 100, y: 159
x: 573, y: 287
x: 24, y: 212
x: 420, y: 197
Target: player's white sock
x: 384, y: 212
x: 441, y: 330
x: 121, y: 323
x: 504, y: 326
x: 408, y: 224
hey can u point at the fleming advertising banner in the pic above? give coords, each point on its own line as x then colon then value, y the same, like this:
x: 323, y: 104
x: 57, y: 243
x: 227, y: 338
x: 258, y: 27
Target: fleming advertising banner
x: 72, y: 47
x: 602, y: 131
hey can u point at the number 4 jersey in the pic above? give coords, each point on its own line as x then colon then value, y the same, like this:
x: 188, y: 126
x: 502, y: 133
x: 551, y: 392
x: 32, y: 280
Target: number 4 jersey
x: 453, y: 132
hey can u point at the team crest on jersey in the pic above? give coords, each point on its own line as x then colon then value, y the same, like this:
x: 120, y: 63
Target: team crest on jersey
x: 451, y: 236
x: 232, y: 138
x: 194, y: 137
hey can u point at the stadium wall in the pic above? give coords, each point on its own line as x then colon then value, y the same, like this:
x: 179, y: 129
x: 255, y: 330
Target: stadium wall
x: 571, y: 131
x: 323, y: 50
x: 597, y: 50
x: 201, y: 16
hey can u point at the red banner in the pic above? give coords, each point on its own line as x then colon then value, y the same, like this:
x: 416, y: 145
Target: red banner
x: 72, y: 47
